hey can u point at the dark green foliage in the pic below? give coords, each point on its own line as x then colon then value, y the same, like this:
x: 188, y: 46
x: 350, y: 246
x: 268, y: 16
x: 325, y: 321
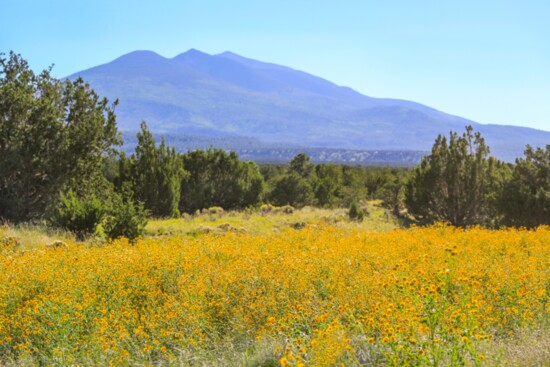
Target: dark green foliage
x: 455, y: 182
x: 355, y: 212
x: 291, y: 189
x: 525, y: 198
x: 218, y: 178
x: 110, y: 168
x: 126, y: 218
x: 251, y: 184
x: 295, y: 186
x: 115, y: 215
x: 392, y: 191
x: 328, y: 185
x: 353, y: 184
x: 52, y: 134
x: 301, y: 165
x: 145, y: 167
x: 270, y: 171
x: 80, y: 216
x: 156, y: 174
x: 123, y: 180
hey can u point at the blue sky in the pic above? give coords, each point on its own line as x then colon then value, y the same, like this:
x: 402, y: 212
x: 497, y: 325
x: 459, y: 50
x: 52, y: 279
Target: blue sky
x: 488, y: 61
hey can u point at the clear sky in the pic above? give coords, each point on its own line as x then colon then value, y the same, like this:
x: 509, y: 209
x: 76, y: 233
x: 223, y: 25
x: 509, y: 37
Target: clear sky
x: 486, y: 60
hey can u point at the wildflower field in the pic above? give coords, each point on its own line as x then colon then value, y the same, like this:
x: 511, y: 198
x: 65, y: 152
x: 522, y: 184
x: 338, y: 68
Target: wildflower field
x: 320, y: 296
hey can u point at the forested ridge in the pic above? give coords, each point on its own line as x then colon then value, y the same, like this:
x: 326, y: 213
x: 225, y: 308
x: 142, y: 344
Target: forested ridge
x: 59, y: 163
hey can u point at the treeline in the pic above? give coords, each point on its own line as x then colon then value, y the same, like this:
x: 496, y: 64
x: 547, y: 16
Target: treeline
x: 58, y: 163
x: 460, y: 183
x: 170, y: 183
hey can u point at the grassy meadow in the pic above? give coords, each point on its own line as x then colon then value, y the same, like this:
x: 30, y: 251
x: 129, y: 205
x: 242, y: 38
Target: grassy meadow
x: 302, y: 288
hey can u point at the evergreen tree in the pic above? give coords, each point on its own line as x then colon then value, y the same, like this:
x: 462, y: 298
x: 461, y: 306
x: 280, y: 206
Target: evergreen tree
x: 525, y: 199
x: 218, y: 178
x: 455, y: 182
x: 328, y: 184
x: 355, y: 212
x: 156, y: 174
x: 295, y: 187
x: 291, y: 189
x: 393, y: 189
x: 353, y: 184
x: 53, y: 137
x: 301, y: 165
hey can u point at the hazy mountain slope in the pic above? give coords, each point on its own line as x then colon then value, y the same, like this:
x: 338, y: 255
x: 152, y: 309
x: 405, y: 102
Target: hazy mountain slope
x: 229, y: 95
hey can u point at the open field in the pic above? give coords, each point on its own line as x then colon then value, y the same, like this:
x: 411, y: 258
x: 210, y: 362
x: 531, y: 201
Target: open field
x: 323, y: 295
x: 273, y: 220
x: 216, y: 221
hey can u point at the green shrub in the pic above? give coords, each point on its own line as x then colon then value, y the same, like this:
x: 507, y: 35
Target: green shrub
x: 287, y: 209
x: 355, y: 212
x: 80, y: 216
x: 117, y: 216
x: 126, y: 218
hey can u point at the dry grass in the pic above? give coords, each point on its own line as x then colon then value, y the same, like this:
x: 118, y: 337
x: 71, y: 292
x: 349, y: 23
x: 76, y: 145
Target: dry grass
x: 256, y: 222
x: 30, y: 236
x: 525, y: 348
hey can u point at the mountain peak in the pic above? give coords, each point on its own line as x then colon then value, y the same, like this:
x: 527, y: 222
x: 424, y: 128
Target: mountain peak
x: 140, y: 55
x: 192, y: 54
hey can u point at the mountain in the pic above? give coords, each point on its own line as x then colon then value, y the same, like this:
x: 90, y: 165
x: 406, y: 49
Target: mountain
x: 227, y: 96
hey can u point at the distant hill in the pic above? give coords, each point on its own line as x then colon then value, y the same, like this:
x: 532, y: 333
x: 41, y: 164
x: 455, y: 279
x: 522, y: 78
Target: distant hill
x: 254, y: 149
x: 227, y: 97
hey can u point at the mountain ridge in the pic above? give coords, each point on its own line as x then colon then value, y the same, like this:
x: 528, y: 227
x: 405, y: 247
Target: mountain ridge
x: 226, y: 94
